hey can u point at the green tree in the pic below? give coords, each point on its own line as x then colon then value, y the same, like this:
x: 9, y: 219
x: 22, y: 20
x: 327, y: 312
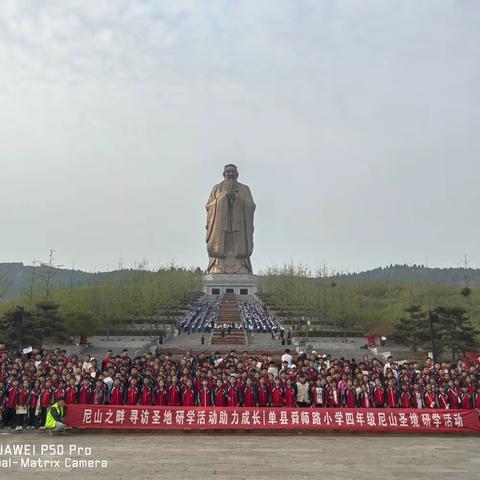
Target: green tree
x: 48, y: 316
x: 412, y: 329
x: 455, y: 331
x: 82, y: 323
x: 21, y: 327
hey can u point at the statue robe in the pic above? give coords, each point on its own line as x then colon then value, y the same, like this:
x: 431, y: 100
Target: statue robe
x: 230, y: 226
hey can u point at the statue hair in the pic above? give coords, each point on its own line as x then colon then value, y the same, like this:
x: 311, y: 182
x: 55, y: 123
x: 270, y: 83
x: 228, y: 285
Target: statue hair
x: 230, y: 165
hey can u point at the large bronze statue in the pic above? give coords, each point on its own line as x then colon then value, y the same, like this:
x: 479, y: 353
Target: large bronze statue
x: 230, y: 210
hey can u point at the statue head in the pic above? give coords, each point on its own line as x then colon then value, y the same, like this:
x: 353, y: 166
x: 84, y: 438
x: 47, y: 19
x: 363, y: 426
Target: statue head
x: 230, y: 172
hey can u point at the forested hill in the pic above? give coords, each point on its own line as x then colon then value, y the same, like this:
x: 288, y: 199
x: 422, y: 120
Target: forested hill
x: 16, y: 278
x: 416, y: 273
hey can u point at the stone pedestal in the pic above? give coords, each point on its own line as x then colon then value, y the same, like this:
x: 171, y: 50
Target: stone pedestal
x: 239, y: 283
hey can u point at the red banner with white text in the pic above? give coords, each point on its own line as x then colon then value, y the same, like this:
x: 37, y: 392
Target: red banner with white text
x: 243, y: 418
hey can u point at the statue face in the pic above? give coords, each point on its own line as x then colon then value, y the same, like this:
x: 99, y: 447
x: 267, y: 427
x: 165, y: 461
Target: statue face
x: 230, y: 172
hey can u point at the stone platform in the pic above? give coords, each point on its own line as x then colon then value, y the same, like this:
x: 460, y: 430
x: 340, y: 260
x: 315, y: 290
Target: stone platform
x: 236, y: 456
x: 239, y: 283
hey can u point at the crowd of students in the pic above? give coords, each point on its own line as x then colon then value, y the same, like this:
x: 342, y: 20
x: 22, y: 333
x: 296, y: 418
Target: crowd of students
x: 257, y: 319
x: 202, y: 317
x: 30, y: 383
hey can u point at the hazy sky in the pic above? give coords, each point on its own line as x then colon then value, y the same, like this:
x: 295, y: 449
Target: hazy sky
x: 355, y: 123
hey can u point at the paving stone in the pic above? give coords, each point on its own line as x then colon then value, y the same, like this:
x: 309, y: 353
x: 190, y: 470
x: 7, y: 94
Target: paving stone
x: 258, y: 456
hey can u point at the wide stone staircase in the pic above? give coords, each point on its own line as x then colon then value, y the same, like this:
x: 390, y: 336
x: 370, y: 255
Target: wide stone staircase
x: 229, y: 314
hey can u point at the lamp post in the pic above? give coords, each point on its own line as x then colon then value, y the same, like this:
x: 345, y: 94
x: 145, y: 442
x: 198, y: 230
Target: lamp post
x: 303, y: 327
x: 432, y: 318
x: 308, y: 331
x: 18, y: 317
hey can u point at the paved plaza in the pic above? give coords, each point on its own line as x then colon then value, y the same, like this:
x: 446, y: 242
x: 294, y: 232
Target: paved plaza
x: 247, y: 456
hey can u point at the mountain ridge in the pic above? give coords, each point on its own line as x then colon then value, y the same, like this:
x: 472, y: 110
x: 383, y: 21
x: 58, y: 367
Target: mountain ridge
x: 15, y: 277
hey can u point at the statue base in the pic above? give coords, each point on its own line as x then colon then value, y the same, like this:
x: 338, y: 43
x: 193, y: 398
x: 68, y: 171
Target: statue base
x: 239, y: 283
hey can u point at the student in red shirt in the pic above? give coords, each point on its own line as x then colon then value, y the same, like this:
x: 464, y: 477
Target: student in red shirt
x: 188, y: 396
x: 106, y: 360
x: 220, y: 395
x: 233, y: 393
x: 100, y: 393
x: 71, y: 392
x: 290, y: 395
x: 160, y: 393
x: 442, y: 399
x: 2, y: 397
x: 476, y: 398
x: 174, y: 393
x: 453, y: 397
x: 46, y: 399
x: 204, y: 395
x: 405, y: 397
x: 334, y: 396
x: 378, y: 394
x: 349, y: 395
x: 147, y: 395
x: 117, y: 394
x: 277, y: 397
x: 11, y: 404
x: 22, y: 405
x: 262, y: 394
x: 364, y: 397
x: 33, y: 403
x: 133, y: 393
x: 249, y: 397
x: 430, y: 397
x: 391, y: 394
x: 466, y: 400
x: 85, y: 393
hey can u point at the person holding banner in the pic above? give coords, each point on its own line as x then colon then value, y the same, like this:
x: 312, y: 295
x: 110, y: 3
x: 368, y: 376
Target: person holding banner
x: 54, y: 421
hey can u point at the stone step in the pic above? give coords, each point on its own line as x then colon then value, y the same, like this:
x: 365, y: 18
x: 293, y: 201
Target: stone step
x: 227, y: 341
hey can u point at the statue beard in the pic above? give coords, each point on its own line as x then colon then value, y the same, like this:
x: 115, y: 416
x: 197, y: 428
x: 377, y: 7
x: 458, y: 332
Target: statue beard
x: 231, y: 184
